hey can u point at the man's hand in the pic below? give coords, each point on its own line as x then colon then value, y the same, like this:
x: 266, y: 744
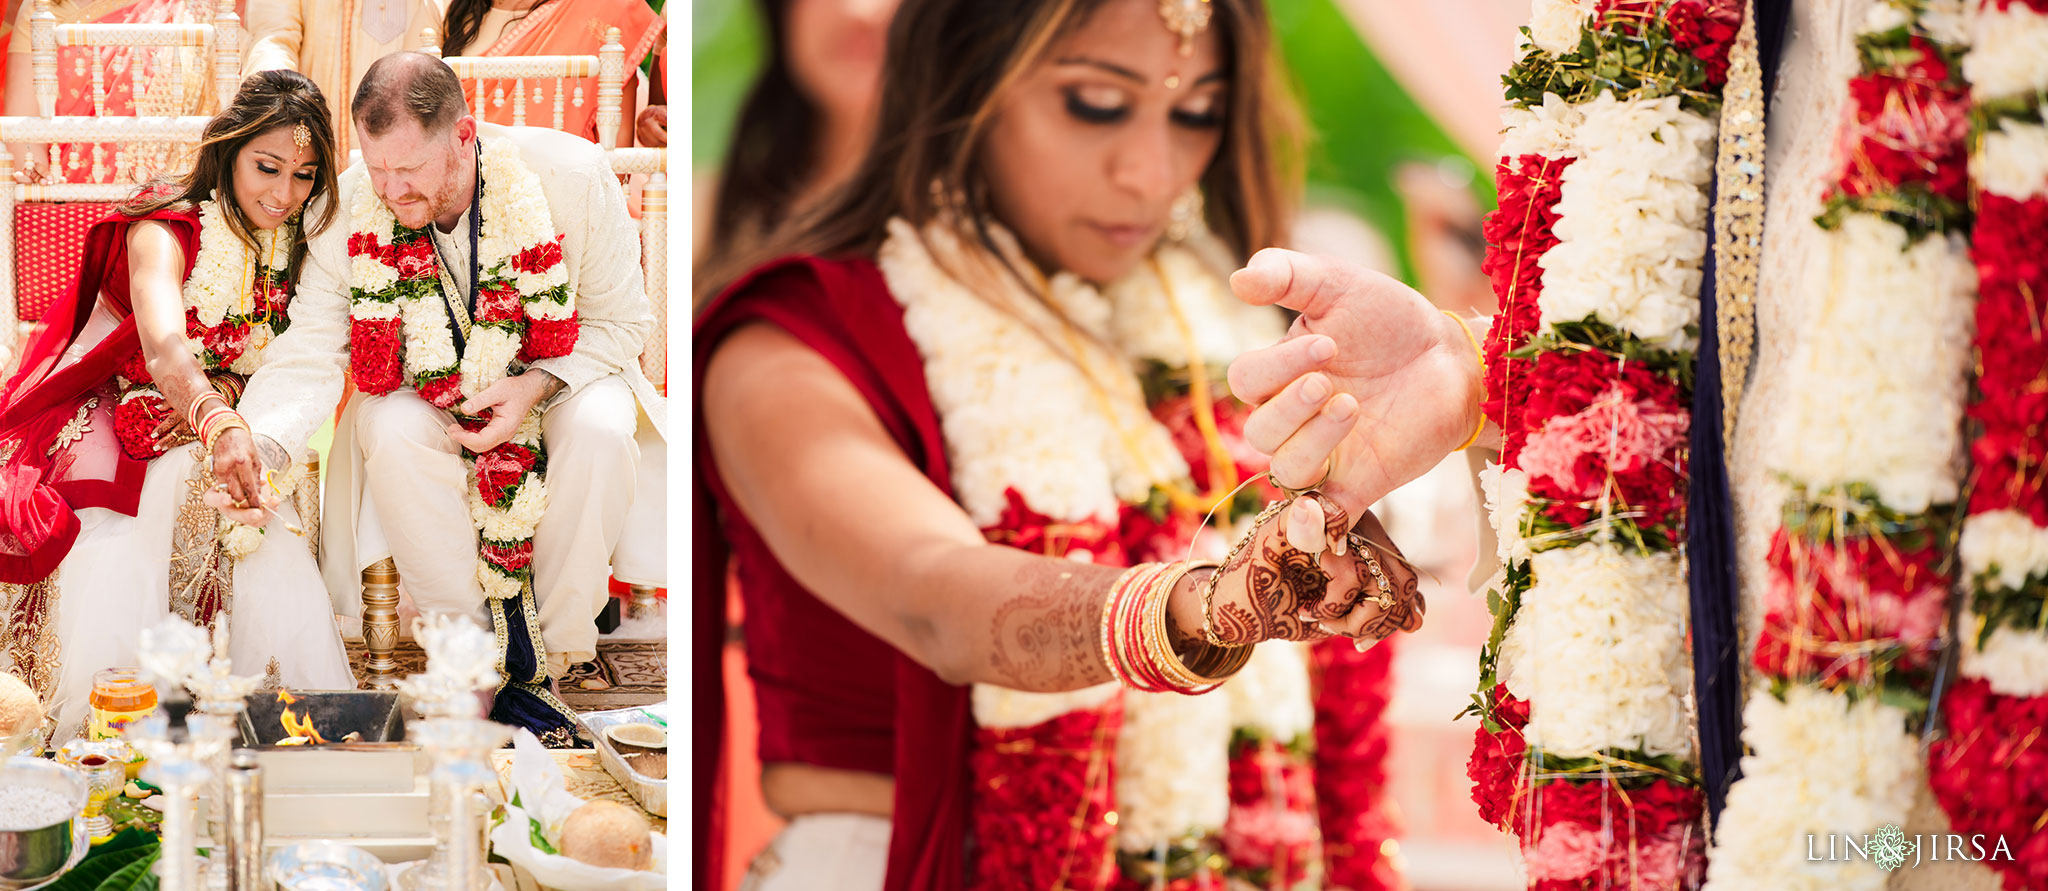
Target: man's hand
x: 238, y: 466
x: 652, y: 126
x: 508, y: 401
x: 1411, y: 369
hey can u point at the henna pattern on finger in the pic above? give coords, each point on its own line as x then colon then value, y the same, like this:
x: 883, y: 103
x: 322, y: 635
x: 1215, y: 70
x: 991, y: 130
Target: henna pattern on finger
x: 1404, y: 615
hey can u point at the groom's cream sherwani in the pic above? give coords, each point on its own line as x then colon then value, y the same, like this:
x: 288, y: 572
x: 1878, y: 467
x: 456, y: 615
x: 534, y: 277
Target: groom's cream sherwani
x: 396, y: 484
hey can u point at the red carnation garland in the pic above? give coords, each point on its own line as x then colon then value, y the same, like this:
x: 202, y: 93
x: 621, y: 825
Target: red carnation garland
x: 1518, y: 234
x: 1986, y: 767
x: 1041, y: 800
x: 1352, y: 691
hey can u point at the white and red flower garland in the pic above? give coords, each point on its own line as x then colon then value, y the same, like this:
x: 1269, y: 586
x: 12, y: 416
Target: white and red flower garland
x: 1585, y: 748
x: 236, y: 302
x: 1987, y: 769
x: 1038, y: 464
x: 1855, y: 601
x: 400, y: 334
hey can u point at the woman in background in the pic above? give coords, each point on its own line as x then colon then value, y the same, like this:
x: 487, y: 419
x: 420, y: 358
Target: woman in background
x: 807, y: 120
x: 554, y: 28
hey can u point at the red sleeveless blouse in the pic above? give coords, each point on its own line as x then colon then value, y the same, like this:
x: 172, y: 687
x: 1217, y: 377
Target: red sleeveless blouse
x: 828, y: 692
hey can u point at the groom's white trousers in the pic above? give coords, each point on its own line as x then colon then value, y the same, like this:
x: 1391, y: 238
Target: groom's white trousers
x: 417, y: 478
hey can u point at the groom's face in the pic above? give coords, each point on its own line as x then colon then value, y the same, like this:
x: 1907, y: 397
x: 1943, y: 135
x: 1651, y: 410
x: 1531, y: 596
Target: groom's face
x: 416, y: 172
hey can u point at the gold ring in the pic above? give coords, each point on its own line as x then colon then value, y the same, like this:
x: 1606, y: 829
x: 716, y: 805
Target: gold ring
x: 1329, y: 466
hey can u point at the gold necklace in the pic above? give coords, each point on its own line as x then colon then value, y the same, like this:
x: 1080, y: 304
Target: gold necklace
x: 1222, y: 470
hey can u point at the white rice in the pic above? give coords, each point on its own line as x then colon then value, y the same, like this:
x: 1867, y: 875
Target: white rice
x: 29, y: 807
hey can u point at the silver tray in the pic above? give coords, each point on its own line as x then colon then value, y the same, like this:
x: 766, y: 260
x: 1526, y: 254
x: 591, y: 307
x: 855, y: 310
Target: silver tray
x: 652, y: 794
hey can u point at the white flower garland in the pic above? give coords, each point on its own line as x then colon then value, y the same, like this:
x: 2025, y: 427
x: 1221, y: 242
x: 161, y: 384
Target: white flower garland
x: 1271, y: 696
x: 1817, y: 766
x: 1549, y: 129
x: 1555, y: 26
x: 516, y: 220
x: 1875, y: 371
x: 1172, y: 770
x: 1602, y: 653
x: 221, y: 290
x: 1018, y: 415
x: 2013, y: 160
x: 1632, y: 218
x: 2008, y: 53
x: 1507, y: 509
x: 2003, y: 548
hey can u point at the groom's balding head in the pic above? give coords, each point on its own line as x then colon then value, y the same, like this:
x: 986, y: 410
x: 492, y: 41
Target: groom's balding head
x: 408, y: 86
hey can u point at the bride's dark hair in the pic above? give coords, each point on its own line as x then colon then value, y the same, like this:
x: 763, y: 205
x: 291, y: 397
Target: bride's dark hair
x: 947, y: 67
x: 267, y: 100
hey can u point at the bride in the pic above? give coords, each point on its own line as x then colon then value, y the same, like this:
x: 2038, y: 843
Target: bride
x: 103, y: 526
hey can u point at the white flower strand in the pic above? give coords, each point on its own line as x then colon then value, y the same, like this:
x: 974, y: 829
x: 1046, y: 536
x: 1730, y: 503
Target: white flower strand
x: 1172, y: 769
x: 2009, y: 52
x: 1631, y: 225
x: 1879, y: 374
x: 1602, y: 652
x: 1817, y: 766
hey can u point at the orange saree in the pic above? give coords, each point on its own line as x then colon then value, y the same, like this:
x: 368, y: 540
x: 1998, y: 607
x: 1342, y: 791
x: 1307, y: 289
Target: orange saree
x: 568, y: 28
x: 173, y: 82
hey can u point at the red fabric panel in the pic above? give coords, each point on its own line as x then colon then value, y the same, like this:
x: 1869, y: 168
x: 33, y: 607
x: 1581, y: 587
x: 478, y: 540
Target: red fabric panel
x: 49, y: 243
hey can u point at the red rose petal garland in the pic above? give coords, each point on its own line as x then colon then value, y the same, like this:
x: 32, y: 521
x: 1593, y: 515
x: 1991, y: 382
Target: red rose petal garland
x: 1856, y: 595
x: 1594, y: 255
x: 400, y: 333
x: 1985, y: 769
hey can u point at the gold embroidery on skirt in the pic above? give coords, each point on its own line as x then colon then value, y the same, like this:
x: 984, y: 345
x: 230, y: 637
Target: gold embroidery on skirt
x: 1738, y: 218
x: 202, y: 575
x: 31, y: 646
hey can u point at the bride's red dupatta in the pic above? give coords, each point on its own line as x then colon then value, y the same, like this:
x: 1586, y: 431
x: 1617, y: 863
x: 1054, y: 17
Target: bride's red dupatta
x: 58, y: 452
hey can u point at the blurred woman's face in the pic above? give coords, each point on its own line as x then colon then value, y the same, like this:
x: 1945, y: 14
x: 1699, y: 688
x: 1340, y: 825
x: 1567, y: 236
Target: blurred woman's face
x: 835, y: 53
x: 1087, y: 153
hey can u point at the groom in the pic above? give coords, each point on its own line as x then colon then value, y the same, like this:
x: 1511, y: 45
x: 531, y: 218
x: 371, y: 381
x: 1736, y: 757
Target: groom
x: 481, y: 285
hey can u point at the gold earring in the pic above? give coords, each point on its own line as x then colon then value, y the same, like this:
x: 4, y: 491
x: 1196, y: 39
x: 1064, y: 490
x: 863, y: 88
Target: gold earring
x: 1185, y: 219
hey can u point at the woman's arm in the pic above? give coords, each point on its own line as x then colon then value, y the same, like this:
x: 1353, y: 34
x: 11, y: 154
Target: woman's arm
x: 156, y: 267
x: 855, y: 522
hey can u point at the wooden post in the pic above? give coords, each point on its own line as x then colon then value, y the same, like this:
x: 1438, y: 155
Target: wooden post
x: 380, y: 623
x: 611, y: 84
x: 654, y: 265
x: 227, y: 55
x: 644, y: 604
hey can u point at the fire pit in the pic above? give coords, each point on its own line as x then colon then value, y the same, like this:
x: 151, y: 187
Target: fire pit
x: 332, y: 716
x: 369, y: 791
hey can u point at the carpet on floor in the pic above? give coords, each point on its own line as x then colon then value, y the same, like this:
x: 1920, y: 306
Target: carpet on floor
x: 626, y: 673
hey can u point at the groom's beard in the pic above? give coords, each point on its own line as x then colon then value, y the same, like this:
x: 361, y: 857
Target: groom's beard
x: 418, y: 213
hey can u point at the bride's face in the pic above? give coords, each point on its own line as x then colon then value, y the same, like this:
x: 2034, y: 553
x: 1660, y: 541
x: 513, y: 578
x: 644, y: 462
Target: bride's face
x: 1087, y: 153
x: 273, y: 176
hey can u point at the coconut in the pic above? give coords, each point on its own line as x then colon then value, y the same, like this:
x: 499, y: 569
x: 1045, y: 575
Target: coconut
x: 608, y: 834
x: 20, y: 711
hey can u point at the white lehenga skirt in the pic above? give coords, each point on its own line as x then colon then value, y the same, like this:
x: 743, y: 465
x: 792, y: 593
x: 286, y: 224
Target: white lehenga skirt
x: 116, y: 581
